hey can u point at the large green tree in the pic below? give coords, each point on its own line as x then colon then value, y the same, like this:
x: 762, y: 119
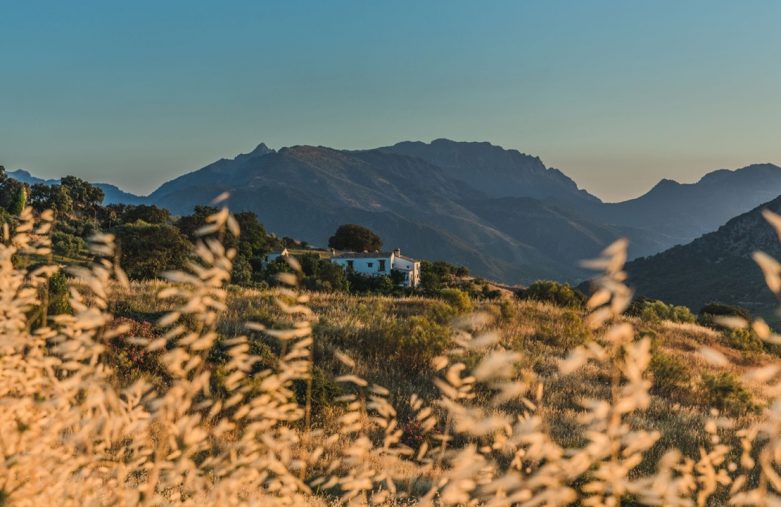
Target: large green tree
x: 252, y: 244
x: 86, y: 197
x: 355, y: 238
x: 149, y: 249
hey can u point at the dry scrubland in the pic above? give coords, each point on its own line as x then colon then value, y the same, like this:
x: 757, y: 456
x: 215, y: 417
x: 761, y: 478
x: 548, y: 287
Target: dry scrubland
x: 192, y: 391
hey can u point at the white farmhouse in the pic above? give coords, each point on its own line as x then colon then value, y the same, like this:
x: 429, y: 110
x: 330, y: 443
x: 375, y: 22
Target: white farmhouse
x: 272, y: 256
x: 381, y: 264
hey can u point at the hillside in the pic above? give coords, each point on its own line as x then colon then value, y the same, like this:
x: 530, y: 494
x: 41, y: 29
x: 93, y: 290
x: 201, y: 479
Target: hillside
x: 714, y: 267
x: 684, y: 212
x: 496, y: 171
x: 502, y: 213
x: 307, y: 192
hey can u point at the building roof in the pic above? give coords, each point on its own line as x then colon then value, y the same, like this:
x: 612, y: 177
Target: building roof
x: 363, y: 255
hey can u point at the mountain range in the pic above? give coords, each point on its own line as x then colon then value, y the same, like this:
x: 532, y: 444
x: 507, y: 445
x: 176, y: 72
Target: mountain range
x: 500, y: 212
x: 716, y: 267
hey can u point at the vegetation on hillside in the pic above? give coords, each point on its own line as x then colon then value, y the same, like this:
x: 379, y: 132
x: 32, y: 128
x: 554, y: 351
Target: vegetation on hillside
x: 215, y: 394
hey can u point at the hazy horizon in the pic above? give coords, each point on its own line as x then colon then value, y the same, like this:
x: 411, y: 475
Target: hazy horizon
x: 616, y: 95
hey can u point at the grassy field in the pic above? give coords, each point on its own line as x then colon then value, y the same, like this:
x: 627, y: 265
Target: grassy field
x: 393, y: 340
x: 193, y: 391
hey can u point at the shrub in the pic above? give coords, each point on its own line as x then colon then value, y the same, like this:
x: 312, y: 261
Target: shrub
x: 709, y: 313
x: 743, y: 339
x: 669, y: 373
x: 559, y: 294
x: 58, y: 294
x: 654, y: 310
x: 725, y: 392
x: 150, y: 249
x: 360, y: 283
x: 457, y: 299
x: 68, y: 245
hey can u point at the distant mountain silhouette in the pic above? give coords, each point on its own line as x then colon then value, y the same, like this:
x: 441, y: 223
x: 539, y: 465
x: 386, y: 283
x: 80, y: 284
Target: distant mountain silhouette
x: 494, y: 170
x: 307, y: 191
x: 112, y: 193
x: 500, y: 212
x: 717, y: 267
x: 682, y: 212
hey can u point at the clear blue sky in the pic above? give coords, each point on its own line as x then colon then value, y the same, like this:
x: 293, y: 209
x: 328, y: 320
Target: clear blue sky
x: 618, y: 94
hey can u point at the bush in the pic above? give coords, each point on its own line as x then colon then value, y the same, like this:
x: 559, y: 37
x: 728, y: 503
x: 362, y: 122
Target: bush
x: 438, y: 274
x: 457, y: 299
x: 322, y: 274
x: 68, y: 245
x: 654, y: 310
x: 414, y: 342
x: 149, y: 249
x: 559, y: 294
x: 743, y: 339
x: 725, y: 392
x: 670, y: 373
x: 365, y: 283
x: 58, y: 294
x: 709, y: 314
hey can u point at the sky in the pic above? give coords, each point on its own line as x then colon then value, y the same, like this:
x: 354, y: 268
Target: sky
x: 616, y: 94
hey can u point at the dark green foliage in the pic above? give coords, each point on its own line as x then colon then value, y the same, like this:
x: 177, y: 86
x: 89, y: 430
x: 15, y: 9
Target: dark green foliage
x: 355, y: 238
x: 743, y: 339
x: 131, y: 362
x: 710, y: 313
x: 9, y: 192
x: 670, y: 374
x: 58, y: 294
x: 438, y: 274
x: 325, y: 391
x: 412, y: 342
x: 68, y: 245
x: 149, y: 249
x: 725, y: 392
x: 559, y: 294
x: 321, y: 274
x: 251, y: 246
x: 242, y: 271
x: 86, y: 198
x: 457, y: 299
x: 53, y: 197
x: 149, y: 214
x: 361, y: 284
x: 20, y: 200
x: 653, y: 310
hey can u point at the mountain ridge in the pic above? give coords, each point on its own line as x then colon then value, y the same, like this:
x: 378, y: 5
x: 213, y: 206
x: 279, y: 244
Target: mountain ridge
x: 501, y: 210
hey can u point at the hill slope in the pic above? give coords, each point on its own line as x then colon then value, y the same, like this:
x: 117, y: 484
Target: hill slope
x: 684, y: 212
x: 307, y: 192
x: 714, y: 267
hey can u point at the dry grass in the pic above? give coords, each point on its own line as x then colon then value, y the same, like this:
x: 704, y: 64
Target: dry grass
x: 240, y: 397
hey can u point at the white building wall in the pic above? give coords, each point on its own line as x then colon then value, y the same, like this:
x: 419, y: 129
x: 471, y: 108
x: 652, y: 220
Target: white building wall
x: 368, y: 266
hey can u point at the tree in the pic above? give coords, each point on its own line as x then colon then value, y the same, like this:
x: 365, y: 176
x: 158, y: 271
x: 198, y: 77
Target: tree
x: 20, y: 200
x: 149, y: 214
x: 86, y: 197
x: 149, y: 249
x: 53, y: 197
x: 11, y: 192
x: 322, y: 274
x: 252, y: 244
x: 559, y: 294
x: 355, y: 238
